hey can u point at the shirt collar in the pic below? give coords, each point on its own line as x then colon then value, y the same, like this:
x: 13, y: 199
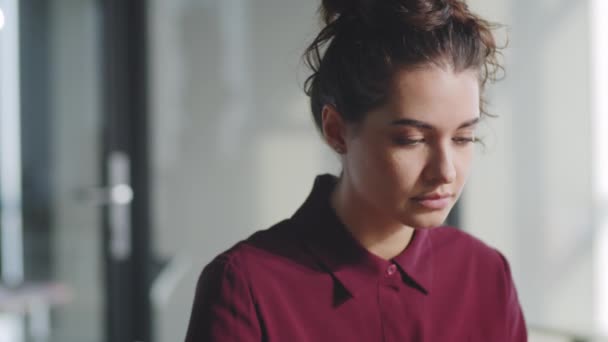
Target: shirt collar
x: 416, y: 261
x: 344, y: 257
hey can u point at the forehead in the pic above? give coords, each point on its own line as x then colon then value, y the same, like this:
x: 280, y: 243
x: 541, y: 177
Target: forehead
x: 434, y: 95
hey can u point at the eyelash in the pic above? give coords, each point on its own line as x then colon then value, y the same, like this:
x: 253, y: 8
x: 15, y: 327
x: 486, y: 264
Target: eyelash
x: 465, y: 141
x: 413, y: 142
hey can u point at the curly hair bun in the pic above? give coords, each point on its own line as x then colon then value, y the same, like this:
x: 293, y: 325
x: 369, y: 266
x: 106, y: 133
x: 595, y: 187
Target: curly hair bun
x: 365, y: 42
x: 423, y: 15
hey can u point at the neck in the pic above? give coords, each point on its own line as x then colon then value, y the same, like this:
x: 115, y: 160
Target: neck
x: 379, y: 234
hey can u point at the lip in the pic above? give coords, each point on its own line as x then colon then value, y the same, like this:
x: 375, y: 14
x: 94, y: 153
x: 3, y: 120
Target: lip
x: 434, y: 201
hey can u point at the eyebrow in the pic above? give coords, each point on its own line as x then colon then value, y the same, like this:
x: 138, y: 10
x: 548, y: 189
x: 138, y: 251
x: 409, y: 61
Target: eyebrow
x: 424, y: 125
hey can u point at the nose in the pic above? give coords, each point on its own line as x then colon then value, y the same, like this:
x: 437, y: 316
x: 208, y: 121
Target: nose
x: 440, y: 168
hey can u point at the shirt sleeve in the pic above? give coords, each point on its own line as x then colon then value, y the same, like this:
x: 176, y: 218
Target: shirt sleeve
x: 223, y: 308
x: 515, y: 323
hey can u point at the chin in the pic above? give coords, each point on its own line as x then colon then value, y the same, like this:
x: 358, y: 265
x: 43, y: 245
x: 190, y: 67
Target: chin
x: 426, y: 220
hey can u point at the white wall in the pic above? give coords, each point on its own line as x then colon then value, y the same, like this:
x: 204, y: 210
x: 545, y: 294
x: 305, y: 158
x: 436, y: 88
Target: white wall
x: 531, y: 192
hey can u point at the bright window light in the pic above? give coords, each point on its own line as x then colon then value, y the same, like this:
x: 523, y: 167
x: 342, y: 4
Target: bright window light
x: 1, y: 19
x: 11, y: 225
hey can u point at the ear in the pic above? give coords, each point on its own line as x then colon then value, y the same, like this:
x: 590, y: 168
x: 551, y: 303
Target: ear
x: 334, y: 128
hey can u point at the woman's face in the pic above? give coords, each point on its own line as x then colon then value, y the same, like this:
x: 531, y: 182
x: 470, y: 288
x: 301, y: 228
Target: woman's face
x: 410, y: 159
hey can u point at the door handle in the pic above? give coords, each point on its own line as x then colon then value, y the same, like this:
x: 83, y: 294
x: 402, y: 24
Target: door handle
x: 118, y: 196
x: 119, y: 206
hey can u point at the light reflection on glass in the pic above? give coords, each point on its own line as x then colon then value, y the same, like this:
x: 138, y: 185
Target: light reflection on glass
x: 1, y: 19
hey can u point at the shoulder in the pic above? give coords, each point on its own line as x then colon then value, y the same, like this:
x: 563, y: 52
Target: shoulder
x: 450, y: 239
x: 262, y: 250
x: 454, y: 246
x: 486, y: 273
x: 224, y: 301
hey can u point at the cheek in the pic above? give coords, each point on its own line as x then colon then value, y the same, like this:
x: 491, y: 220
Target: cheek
x: 366, y: 164
x: 406, y: 169
x: 379, y: 169
x: 464, y: 164
x: 365, y: 153
x: 400, y: 174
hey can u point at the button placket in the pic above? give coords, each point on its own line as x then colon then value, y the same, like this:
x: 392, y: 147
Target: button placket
x: 390, y: 277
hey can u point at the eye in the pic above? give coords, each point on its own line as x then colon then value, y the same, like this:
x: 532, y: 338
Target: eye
x: 407, y: 141
x: 464, y: 140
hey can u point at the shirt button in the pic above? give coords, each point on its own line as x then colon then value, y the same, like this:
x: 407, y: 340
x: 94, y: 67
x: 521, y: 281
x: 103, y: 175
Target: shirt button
x: 391, y: 270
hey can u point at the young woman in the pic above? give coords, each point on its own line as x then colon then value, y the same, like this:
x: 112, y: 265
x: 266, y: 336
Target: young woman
x: 396, y: 92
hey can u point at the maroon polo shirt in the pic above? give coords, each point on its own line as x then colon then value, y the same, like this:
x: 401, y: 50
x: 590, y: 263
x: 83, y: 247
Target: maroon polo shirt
x: 308, y: 279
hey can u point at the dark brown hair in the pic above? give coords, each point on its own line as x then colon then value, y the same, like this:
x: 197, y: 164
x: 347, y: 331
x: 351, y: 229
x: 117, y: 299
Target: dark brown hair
x: 364, y: 42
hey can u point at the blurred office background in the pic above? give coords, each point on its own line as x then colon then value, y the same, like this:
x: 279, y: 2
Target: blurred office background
x: 138, y: 139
